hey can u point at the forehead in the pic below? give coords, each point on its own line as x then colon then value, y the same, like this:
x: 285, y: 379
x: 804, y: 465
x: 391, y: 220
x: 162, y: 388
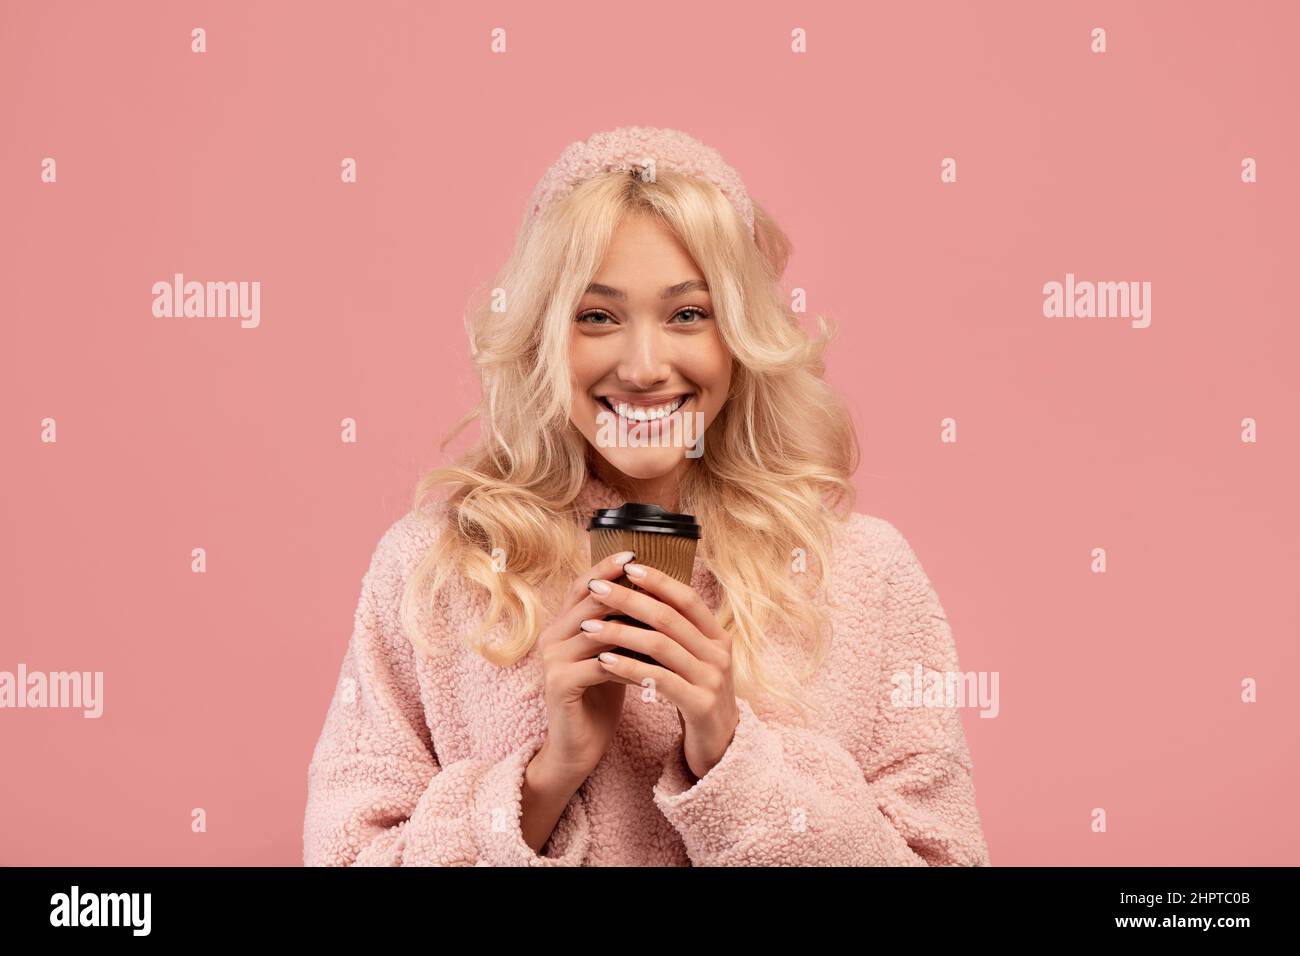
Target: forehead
x: 645, y: 256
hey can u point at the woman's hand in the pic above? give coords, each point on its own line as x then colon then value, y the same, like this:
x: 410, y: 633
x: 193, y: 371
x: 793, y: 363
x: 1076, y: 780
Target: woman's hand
x: 583, y: 700
x: 692, y: 647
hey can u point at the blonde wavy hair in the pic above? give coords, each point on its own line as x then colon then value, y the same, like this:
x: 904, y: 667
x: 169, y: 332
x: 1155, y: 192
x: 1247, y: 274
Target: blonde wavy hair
x: 775, y: 476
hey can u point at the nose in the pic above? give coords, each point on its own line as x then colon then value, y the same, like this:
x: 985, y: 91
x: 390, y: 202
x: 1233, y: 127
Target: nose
x: 646, y: 360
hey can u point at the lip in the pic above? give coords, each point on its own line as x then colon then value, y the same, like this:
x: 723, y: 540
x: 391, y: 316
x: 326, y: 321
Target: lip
x: 646, y: 400
x: 686, y: 397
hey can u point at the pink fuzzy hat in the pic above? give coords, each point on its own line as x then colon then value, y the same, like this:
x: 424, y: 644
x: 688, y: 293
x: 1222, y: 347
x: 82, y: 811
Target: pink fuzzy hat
x: 635, y: 147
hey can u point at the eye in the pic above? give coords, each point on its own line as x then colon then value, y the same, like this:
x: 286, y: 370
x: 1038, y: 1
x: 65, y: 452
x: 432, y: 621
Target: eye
x: 700, y: 314
x: 590, y: 315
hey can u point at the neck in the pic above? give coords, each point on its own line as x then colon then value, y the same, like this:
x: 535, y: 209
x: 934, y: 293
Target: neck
x: 662, y: 490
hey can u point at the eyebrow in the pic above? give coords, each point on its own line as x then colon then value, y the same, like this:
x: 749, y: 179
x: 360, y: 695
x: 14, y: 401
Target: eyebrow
x: 668, y: 292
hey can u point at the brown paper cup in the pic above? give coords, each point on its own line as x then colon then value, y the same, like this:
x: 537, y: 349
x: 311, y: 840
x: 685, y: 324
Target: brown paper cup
x: 661, y: 539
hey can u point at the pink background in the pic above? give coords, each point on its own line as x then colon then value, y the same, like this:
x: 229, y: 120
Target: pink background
x: 1119, y: 691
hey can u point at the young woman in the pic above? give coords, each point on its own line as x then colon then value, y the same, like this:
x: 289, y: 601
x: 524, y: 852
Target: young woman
x: 483, y: 716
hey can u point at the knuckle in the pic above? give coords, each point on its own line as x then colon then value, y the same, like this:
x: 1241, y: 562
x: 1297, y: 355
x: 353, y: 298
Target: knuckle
x: 661, y: 619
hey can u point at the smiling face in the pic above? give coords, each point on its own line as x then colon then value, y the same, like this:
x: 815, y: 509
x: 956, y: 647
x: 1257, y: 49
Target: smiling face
x: 646, y: 348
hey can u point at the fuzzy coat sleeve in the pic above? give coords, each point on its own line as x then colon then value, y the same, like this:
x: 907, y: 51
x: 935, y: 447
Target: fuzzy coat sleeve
x: 376, y: 793
x: 788, y: 796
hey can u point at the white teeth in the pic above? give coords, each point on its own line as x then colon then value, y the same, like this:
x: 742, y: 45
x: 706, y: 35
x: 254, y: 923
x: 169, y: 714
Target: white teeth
x: 647, y: 413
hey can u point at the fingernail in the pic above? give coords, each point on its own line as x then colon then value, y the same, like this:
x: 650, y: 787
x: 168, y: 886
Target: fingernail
x: 598, y: 586
x: 634, y: 570
x: 608, y: 658
x: 623, y: 557
x: 591, y: 625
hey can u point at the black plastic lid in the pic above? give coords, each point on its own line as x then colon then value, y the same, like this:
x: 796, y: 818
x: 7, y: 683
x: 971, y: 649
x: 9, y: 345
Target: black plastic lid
x: 638, y: 517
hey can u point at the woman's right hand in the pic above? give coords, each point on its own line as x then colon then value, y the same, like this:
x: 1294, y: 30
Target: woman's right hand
x: 583, y: 700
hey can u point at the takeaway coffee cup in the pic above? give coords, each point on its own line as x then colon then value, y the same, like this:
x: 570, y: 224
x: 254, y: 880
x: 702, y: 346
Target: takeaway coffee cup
x: 661, y: 539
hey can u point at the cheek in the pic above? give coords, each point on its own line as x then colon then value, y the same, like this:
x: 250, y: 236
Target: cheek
x: 585, y: 372
x: 582, y: 366
x: 713, y: 368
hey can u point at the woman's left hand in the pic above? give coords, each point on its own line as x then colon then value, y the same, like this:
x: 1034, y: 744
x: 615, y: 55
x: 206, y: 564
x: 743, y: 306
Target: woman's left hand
x: 693, y: 648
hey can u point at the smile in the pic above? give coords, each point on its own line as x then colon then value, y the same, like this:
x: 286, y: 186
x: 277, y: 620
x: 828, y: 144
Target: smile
x: 644, y: 413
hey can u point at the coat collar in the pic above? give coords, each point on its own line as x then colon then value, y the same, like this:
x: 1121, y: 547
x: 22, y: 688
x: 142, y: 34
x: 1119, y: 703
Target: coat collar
x: 595, y: 494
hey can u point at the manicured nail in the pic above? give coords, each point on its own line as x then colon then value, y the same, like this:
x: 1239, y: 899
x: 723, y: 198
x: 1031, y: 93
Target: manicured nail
x: 623, y: 557
x: 591, y: 625
x: 607, y: 658
x: 634, y: 570
x: 598, y: 586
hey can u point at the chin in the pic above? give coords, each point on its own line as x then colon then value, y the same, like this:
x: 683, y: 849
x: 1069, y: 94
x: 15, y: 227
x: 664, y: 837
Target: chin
x: 644, y: 463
